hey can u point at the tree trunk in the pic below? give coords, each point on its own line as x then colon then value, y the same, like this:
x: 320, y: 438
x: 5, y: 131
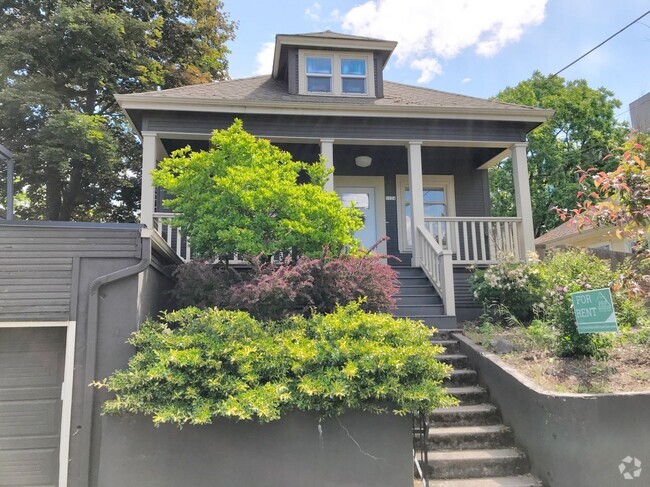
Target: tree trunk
x: 52, y: 194
x: 70, y: 195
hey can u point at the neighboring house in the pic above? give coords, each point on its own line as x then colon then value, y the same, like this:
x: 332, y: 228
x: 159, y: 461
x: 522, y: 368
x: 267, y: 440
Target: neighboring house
x: 640, y: 113
x: 568, y: 235
x: 413, y: 159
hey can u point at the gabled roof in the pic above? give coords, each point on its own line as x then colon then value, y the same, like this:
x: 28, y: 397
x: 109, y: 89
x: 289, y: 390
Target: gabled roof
x: 273, y: 92
x: 567, y: 230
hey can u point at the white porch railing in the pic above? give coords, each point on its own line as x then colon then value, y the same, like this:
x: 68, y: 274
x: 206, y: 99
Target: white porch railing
x: 173, y: 236
x: 437, y: 265
x: 476, y: 240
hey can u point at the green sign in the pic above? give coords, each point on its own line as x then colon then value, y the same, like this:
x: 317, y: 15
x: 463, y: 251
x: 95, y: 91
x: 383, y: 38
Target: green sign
x: 594, y: 311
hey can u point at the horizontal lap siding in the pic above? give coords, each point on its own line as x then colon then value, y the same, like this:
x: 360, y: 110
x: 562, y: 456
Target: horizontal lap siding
x: 36, y: 266
x: 340, y: 127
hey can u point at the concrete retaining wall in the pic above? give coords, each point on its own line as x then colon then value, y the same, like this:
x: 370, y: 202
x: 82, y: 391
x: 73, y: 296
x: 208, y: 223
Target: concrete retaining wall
x: 290, y: 452
x: 572, y: 440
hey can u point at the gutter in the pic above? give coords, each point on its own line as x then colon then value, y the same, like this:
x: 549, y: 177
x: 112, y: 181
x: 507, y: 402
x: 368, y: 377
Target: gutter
x: 85, y: 430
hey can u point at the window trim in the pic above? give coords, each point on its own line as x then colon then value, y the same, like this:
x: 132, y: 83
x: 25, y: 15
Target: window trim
x: 402, y: 182
x: 337, y: 76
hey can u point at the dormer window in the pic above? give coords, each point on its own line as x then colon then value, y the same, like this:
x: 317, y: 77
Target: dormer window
x: 336, y: 73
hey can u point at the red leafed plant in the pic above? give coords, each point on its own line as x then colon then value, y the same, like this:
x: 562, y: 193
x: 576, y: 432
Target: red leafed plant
x: 620, y: 198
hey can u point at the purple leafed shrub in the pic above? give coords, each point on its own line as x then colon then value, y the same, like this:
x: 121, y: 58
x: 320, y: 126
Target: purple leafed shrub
x: 273, y: 291
x: 203, y: 285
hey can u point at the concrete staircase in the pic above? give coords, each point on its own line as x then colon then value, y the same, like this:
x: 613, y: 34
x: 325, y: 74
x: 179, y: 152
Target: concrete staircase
x: 468, y: 444
x: 419, y: 300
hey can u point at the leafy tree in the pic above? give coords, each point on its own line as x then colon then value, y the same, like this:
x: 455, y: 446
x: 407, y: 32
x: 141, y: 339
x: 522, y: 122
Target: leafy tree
x: 619, y: 198
x: 581, y: 133
x: 62, y: 63
x: 245, y: 196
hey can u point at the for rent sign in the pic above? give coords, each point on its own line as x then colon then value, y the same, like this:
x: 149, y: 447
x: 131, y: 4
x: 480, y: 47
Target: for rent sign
x: 594, y: 311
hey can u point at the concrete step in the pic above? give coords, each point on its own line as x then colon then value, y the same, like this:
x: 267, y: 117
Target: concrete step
x: 419, y: 289
x: 450, y: 346
x: 470, y: 437
x: 461, y: 377
x: 445, y: 334
x: 418, y: 299
x: 439, y: 322
x: 418, y: 310
x: 456, y: 360
x: 467, y: 464
x: 469, y: 394
x: 514, y: 481
x: 470, y: 415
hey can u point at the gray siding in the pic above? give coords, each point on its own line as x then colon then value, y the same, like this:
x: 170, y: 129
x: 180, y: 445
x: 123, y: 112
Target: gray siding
x: 379, y: 76
x: 293, y: 73
x: 37, y: 266
x: 317, y: 127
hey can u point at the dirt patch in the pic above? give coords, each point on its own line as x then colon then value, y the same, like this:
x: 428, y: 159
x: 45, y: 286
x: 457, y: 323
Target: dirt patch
x: 626, y: 370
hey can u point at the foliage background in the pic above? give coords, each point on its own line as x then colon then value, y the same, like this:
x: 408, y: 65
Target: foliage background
x: 61, y: 64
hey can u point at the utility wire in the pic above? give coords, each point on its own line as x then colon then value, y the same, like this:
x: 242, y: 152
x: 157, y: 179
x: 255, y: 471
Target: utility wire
x: 606, y: 40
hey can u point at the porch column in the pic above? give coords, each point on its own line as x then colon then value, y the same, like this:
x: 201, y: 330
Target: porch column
x: 522, y: 198
x: 327, y: 151
x: 152, y: 151
x: 417, y: 200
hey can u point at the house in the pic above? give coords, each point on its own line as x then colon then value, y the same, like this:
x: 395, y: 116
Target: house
x: 413, y: 159
x: 569, y: 235
x: 640, y: 113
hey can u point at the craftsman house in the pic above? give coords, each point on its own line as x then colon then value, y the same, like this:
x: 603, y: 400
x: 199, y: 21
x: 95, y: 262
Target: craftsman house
x: 413, y: 159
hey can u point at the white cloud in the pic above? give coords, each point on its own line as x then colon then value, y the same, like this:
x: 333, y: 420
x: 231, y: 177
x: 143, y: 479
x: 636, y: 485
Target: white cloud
x: 313, y: 12
x: 466, y: 80
x: 264, y: 58
x: 429, y: 68
x: 430, y: 30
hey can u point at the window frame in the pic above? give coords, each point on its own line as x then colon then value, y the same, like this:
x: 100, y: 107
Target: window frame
x: 436, y: 181
x: 337, y: 76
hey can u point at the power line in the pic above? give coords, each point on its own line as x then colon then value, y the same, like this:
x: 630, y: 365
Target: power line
x: 605, y: 41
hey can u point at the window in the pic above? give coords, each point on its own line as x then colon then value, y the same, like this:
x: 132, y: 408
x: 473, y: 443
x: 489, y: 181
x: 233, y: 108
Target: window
x: 331, y: 73
x: 439, y: 199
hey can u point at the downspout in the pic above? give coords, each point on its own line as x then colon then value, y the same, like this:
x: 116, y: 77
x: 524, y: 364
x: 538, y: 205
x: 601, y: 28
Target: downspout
x: 91, y: 349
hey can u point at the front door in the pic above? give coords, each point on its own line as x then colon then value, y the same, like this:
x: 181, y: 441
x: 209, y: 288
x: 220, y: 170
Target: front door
x: 363, y: 199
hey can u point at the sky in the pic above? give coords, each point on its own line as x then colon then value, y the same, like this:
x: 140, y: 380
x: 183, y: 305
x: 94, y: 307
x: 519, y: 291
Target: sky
x: 472, y: 47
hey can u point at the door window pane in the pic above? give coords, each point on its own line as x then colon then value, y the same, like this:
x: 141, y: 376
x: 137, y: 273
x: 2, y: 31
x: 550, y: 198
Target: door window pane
x: 434, y: 206
x: 359, y: 200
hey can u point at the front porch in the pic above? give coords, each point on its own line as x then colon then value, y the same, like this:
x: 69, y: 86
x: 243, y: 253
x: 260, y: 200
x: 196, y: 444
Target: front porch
x: 431, y: 199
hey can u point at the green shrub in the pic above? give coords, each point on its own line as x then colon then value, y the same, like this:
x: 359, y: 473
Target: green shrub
x: 194, y: 365
x: 564, y: 273
x: 514, y: 285
x: 541, y: 334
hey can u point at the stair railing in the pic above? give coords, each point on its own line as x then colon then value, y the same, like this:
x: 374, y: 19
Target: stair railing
x: 420, y: 448
x: 437, y: 264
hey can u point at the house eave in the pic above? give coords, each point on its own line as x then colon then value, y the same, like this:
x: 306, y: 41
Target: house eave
x: 136, y: 102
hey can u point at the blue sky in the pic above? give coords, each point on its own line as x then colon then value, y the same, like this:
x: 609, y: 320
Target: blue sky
x: 473, y: 47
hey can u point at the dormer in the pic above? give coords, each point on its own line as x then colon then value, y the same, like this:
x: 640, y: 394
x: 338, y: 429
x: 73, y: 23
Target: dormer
x: 331, y: 64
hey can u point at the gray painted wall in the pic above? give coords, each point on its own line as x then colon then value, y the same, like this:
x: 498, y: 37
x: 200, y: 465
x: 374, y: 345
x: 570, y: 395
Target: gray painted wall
x: 286, y: 453
x: 318, y: 127
x: 572, y: 440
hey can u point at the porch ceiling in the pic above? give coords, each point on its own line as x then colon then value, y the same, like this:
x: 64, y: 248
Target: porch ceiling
x: 344, y: 154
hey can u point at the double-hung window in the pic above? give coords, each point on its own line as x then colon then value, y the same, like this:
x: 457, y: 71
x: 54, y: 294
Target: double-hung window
x: 332, y: 73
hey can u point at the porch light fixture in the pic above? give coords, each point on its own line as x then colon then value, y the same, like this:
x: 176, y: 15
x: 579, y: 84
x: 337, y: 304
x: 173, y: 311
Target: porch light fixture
x: 363, y: 161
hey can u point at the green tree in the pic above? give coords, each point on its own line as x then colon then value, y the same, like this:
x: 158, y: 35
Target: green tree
x: 62, y: 63
x: 247, y: 196
x: 581, y: 132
